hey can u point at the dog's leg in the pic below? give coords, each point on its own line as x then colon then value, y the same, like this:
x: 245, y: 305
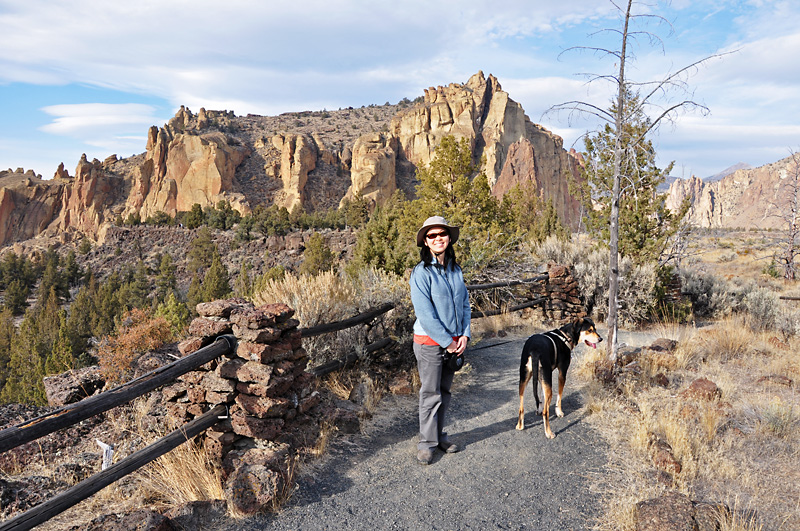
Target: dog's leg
x: 525, y: 377
x: 562, y: 380
x: 547, y: 391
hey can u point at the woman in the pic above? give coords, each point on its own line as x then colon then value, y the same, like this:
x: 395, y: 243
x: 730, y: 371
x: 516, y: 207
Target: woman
x: 441, y: 305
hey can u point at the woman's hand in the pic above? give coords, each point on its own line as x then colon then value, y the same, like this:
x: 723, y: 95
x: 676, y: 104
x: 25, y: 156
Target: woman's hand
x: 458, y: 346
x: 462, y: 344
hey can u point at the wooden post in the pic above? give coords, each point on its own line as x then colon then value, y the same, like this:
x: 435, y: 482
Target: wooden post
x: 93, y: 405
x: 60, y: 503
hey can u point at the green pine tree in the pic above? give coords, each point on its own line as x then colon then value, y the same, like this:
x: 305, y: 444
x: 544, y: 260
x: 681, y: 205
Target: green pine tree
x: 317, y: 257
x: 216, y: 282
x: 175, y: 312
x: 645, y: 223
x: 61, y: 358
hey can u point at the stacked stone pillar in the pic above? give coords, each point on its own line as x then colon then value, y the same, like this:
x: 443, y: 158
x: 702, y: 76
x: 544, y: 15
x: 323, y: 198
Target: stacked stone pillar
x: 563, y: 302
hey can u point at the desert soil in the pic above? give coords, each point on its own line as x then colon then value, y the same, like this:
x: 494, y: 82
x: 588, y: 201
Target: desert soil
x: 502, y: 478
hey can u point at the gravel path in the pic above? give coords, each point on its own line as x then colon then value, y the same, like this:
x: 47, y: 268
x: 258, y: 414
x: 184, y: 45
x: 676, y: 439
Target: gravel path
x: 502, y: 478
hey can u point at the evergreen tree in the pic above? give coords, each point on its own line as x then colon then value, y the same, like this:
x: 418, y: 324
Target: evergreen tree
x: 245, y: 228
x: 7, y: 333
x: 16, y: 296
x: 175, y: 312
x: 387, y: 240
x: 82, y: 319
x: 52, y: 280
x: 525, y: 212
x: 645, y: 223
x: 195, y: 294
x: 26, y: 365
x: 166, y: 281
x: 243, y: 287
x: 356, y: 211
x: 72, y: 271
x: 107, y: 305
x: 317, y: 257
x: 60, y: 359
x: 202, y: 251
x: 139, y: 288
x: 195, y: 217
x: 216, y: 283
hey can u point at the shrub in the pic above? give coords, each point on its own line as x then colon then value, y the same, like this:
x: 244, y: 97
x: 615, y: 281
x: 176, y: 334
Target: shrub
x: 762, y: 307
x: 330, y: 297
x: 711, y: 296
x: 137, y: 334
x: 637, y: 287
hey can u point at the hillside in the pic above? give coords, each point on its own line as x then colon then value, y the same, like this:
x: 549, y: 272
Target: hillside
x: 746, y: 198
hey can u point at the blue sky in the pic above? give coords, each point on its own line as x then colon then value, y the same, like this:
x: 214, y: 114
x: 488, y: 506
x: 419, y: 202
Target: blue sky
x: 91, y: 76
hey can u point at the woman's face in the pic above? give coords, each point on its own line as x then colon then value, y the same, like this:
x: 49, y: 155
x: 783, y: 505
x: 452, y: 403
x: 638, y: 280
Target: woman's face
x: 437, y: 239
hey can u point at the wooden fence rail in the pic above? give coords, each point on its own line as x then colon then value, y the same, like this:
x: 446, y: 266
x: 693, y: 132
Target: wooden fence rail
x: 347, y: 323
x: 74, y: 495
x: 507, y: 283
x: 535, y: 302
x: 93, y: 405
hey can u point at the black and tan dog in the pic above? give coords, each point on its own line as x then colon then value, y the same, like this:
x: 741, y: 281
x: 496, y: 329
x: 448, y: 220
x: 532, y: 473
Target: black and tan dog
x: 541, y: 355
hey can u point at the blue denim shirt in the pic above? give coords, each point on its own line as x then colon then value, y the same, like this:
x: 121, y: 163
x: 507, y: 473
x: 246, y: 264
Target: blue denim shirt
x: 441, y: 303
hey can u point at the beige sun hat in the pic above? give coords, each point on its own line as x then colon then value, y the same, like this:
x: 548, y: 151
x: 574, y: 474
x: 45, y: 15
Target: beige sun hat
x: 436, y: 221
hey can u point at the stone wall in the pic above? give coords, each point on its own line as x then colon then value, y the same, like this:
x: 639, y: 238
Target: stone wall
x: 265, y: 387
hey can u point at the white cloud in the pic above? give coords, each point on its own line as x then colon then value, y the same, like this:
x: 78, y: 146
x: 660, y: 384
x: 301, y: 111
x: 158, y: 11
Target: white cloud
x: 77, y: 119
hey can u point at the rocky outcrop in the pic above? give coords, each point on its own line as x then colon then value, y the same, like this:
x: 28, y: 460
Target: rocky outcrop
x: 746, y: 198
x: 247, y: 161
x: 298, y: 158
x: 512, y: 149
x: 374, y: 159
x: 86, y: 200
x: 184, y: 168
x: 27, y: 205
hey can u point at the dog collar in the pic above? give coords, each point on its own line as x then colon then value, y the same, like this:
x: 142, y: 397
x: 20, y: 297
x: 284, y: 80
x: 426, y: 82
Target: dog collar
x: 560, y: 335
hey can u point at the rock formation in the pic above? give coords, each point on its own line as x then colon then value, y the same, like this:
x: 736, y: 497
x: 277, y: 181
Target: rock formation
x: 513, y: 149
x: 746, y: 198
x: 298, y: 158
x: 85, y: 200
x: 184, y: 168
x: 291, y: 161
x: 372, y: 174
x: 27, y: 205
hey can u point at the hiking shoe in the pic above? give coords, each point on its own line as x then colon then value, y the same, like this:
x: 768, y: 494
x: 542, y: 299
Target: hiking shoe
x: 448, y: 447
x: 424, y: 457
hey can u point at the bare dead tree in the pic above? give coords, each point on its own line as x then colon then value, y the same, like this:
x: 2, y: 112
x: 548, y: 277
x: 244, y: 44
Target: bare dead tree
x: 654, y: 100
x: 789, y: 212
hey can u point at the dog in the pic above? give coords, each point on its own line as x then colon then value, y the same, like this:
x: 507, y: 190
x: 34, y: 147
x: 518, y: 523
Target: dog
x: 541, y: 355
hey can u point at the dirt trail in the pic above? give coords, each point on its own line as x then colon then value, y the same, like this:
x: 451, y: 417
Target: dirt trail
x: 502, y: 478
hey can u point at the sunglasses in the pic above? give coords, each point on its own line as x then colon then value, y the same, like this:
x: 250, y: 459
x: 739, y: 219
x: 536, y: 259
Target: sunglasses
x: 434, y: 235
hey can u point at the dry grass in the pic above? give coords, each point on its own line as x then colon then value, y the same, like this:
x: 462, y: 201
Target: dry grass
x: 183, y: 475
x: 741, y: 451
x: 326, y: 433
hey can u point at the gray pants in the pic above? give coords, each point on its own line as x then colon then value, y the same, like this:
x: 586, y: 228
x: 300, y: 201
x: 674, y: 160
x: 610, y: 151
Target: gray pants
x: 434, y: 394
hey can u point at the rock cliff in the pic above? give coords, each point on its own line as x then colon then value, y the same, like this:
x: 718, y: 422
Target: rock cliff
x: 310, y: 160
x: 511, y: 148
x: 747, y: 198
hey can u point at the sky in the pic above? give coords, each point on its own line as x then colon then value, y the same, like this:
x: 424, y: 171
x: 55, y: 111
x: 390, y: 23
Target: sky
x: 91, y: 76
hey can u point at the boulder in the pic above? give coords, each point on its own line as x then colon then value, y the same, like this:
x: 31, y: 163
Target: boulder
x: 73, y: 385
x: 251, y: 489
